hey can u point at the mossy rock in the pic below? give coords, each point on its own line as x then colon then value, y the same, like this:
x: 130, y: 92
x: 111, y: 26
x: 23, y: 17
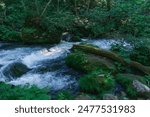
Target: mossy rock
x: 127, y: 81
x: 14, y: 70
x: 96, y: 82
x: 83, y: 97
x: 87, y: 63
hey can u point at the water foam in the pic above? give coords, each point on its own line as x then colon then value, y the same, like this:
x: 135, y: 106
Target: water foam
x: 34, y: 59
x: 49, y: 79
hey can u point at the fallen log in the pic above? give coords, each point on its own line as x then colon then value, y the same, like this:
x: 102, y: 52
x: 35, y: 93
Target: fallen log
x: 139, y: 66
x: 100, y: 52
x: 112, y: 56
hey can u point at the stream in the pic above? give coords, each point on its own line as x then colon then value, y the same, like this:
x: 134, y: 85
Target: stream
x: 46, y: 64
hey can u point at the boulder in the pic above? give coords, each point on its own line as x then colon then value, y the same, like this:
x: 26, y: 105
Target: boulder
x: 109, y: 97
x: 14, y: 70
x: 140, y: 87
x: 85, y: 62
x: 70, y: 37
x: 135, y: 86
x: 83, y: 97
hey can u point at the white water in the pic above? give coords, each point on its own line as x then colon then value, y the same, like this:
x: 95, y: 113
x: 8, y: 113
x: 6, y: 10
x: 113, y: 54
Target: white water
x: 38, y: 58
x: 61, y: 50
x: 34, y: 58
x: 107, y: 43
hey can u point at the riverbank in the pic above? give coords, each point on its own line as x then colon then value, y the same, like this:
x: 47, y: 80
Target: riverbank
x: 46, y: 68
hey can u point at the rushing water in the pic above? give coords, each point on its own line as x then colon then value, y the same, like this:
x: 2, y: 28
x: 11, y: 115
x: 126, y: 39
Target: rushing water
x: 46, y: 64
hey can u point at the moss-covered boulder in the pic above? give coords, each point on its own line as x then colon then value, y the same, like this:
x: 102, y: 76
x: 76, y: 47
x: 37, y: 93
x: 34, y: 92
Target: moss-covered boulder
x: 87, y: 63
x: 132, y: 83
x: 14, y: 70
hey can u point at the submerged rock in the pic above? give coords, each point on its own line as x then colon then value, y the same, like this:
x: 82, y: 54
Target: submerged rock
x: 14, y: 70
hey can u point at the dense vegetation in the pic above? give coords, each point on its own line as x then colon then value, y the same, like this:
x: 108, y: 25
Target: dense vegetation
x: 112, y: 75
x: 41, y: 21
x: 10, y: 92
x: 44, y: 21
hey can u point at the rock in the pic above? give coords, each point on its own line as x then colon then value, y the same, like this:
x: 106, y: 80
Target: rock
x: 85, y: 62
x: 140, y: 87
x: 101, y: 61
x: 131, y: 77
x: 109, y: 97
x: 14, y: 70
x: 113, y: 56
x: 70, y: 37
x: 83, y: 97
x: 134, y: 86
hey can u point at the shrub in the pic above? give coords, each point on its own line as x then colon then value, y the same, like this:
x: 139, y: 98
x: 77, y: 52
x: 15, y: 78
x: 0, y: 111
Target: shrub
x: 10, y: 92
x: 77, y: 60
x: 96, y: 82
x: 126, y: 82
x: 141, y: 54
x: 64, y: 95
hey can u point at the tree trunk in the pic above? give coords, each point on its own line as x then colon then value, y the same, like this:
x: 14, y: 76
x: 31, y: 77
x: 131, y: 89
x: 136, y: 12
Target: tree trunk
x: 46, y: 7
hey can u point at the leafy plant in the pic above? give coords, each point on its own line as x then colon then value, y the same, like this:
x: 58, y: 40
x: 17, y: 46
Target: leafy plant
x: 96, y: 82
x: 141, y: 54
x: 10, y: 92
x: 64, y: 95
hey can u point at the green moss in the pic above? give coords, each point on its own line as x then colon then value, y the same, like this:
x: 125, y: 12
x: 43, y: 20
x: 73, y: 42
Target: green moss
x: 141, y: 54
x: 64, y: 95
x: 97, y: 82
x: 127, y: 82
x: 76, y: 39
x: 10, y: 92
x: 87, y: 63
x: 77, y: 61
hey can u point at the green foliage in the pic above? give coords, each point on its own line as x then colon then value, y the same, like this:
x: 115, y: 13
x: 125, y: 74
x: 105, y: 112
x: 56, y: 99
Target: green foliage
x: 86, y: 63
x: 77, y: 60
x: 9, y: 92
x: 97, y: 82
x: 96, y: 18
x: 141, y: 54
x: 64, y: 95
x: 121, y: 50
x: 127, y: 82
x: 146, y: 80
